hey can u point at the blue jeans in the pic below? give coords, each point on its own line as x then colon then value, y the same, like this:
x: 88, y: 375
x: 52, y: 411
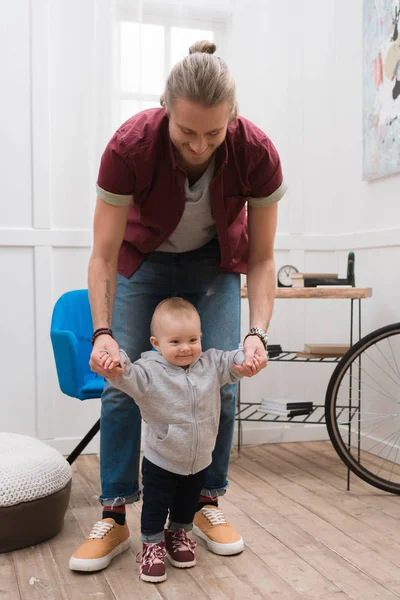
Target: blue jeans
x: 194, y: 276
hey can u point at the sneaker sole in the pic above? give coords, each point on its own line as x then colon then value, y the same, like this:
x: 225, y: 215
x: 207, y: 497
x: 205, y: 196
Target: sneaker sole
x: 152, y: 579
x: 96, y: 564
x: 181, y: 565
x: 218, y: 548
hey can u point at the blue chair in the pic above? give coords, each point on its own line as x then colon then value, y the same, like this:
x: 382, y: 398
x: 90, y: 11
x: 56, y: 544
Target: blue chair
x: 70, y: 333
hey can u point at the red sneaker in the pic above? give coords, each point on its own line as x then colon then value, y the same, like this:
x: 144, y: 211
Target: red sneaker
x: 152, y: 566
x: 180, y: 549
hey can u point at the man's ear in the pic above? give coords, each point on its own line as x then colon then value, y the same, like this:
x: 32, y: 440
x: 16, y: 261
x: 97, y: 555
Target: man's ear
x: 154, y: 343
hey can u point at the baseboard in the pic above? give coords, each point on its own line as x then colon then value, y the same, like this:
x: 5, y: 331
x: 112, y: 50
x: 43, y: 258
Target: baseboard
x: 66, y: 445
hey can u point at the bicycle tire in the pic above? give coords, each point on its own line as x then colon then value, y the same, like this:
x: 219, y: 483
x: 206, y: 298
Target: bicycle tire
x: 335, y: 429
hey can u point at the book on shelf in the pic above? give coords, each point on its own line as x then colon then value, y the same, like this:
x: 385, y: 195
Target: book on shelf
x: 286, y: 413
x: 316, y: 281
x: 285, y: 407
x: 313, y: 275
x: 337, y: 349
x: 335, y: 286
x: 303, y: 406
x: 286, y: 403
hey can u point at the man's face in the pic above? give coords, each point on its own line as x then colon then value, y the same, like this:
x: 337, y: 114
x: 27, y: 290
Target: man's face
x: 197, y: 131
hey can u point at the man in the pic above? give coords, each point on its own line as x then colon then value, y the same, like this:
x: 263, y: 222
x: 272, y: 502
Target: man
x: 187, y: 200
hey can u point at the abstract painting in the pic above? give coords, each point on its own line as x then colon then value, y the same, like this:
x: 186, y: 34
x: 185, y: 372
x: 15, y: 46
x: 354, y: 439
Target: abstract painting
x: 381, y: 88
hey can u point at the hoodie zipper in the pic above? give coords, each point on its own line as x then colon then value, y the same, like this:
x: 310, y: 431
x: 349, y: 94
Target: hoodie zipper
x: 192, y: 393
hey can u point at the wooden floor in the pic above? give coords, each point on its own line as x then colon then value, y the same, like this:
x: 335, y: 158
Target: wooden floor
x: 306, y: 537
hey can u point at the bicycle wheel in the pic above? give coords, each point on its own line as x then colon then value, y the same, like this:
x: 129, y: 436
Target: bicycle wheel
x: 362, y: 408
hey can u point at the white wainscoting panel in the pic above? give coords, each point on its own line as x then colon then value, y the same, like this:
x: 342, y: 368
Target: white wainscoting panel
x: 18, y: 342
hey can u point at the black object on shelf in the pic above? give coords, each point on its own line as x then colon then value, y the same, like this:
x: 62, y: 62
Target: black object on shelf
x: 351, y: 277
x: 274, y: 350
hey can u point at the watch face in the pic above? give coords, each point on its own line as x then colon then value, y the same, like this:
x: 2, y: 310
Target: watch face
x: 285, y: 275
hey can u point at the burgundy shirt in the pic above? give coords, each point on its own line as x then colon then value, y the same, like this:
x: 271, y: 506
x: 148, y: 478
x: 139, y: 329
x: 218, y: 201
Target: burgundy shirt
x: 140, y: 160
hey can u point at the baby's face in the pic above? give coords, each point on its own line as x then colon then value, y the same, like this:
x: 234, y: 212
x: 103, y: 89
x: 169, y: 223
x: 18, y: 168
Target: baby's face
x: 178, y: 339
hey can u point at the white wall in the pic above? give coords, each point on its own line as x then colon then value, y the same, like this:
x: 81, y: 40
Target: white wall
x: 303, y: 87
x: 297, y: 64
x: 54, y: 124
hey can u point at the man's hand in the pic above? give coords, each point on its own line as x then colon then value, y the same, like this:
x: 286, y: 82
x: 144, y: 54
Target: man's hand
x: 255, y: 357
x: 105, y: 358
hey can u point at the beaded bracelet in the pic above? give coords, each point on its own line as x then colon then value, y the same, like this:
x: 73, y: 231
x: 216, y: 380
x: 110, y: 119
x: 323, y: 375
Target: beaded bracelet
x: 102, y: 331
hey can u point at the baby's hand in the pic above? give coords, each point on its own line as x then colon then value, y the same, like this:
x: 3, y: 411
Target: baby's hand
x: 248, y: 371
x: 106, y: 362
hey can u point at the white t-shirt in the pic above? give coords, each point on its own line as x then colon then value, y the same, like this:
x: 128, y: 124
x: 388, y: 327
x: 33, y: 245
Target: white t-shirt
x: 197, y: 224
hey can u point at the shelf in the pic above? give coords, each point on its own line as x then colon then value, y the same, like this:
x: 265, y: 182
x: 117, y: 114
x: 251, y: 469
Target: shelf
x: 248, y: 411
x: 287, y: 356
x: 313, y: 292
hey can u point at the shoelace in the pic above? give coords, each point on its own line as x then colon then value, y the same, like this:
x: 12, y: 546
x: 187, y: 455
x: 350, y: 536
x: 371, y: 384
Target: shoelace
x: 100, y: 529
x: 214, y: 516
x: 180, y: 541
x: 149, y: 555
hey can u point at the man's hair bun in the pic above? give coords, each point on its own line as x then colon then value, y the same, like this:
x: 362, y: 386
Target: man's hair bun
x: 203, y: 46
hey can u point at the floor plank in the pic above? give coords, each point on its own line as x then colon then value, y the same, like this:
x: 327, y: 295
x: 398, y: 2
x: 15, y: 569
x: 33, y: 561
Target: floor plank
x: 365, y: 510
x: 314, y: 514
x: 277, y: 540
x: 9, y: 589
x: 306, y: 538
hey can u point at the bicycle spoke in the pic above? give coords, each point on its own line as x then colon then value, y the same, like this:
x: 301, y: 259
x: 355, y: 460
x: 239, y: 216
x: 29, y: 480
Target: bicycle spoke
x: 378, y: 365
x: 385, y: 459
x: 363, y: 408
x: 397, y: 370
x: 363, y: 371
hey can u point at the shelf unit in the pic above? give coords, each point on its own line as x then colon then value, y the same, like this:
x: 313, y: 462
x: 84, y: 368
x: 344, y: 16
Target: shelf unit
x: 248, y: 411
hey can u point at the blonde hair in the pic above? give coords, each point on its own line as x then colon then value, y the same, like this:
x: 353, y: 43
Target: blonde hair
x: 174, y: 306
x: 201, y: 77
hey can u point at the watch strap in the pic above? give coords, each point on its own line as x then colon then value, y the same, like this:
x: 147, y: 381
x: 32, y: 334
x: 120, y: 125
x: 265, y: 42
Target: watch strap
x: 260, y: 333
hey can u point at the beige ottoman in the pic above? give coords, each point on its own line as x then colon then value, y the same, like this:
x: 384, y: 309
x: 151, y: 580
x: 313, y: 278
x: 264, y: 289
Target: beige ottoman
x: 35, y: 486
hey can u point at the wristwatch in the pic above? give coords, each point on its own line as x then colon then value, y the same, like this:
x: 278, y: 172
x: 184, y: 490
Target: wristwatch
x: 259, y: 333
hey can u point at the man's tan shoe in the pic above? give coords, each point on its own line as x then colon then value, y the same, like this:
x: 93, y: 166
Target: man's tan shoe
x: 106, y: 540
x: 221, y: 538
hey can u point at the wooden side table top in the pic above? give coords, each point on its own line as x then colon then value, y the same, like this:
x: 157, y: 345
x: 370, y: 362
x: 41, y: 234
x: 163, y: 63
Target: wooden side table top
x: 353, y: 293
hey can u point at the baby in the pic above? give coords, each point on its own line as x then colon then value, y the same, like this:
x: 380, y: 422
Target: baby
x: 177, y: 390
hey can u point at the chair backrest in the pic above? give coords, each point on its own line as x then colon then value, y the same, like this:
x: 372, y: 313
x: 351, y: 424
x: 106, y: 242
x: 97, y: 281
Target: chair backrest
x: 70, y: 332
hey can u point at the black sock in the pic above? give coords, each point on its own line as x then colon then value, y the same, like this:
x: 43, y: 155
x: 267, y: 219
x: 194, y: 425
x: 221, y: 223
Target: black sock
x: 115, y: 512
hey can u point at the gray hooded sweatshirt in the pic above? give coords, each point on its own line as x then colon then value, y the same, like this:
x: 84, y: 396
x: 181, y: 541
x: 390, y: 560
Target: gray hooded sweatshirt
x: 181, y: 406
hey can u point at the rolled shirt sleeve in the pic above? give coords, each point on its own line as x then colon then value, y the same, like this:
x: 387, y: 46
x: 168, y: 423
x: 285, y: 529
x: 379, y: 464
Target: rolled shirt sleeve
x: 116, y: 180
x: 267, y: 185
x: 271, y: 199
x: 114, y: 199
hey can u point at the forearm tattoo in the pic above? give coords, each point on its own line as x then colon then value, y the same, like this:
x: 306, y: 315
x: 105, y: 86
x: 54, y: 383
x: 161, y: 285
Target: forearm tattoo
x: 108, y: 301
